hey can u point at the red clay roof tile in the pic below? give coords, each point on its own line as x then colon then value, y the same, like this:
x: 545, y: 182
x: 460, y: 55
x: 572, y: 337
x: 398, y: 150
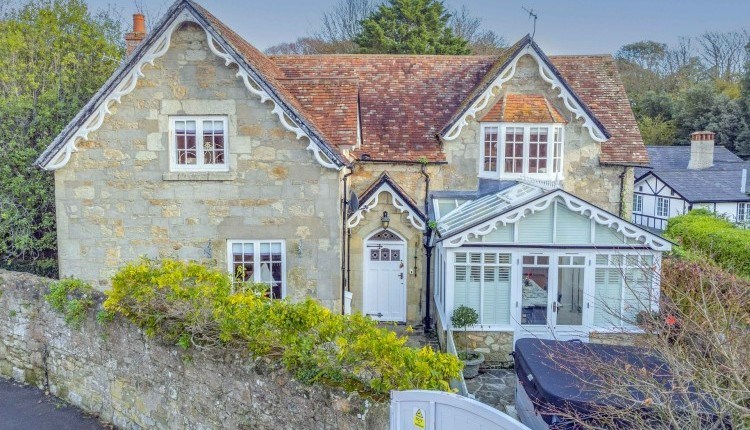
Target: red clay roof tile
x: 529, y: 108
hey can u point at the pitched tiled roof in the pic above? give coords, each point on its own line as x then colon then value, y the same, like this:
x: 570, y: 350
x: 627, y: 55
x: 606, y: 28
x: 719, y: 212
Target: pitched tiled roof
x: 720, y: 182
x: 404, y: 99
x: 596, y: 81
x: 270, y: 74
x: 331, y: 103
x: 531, y: 108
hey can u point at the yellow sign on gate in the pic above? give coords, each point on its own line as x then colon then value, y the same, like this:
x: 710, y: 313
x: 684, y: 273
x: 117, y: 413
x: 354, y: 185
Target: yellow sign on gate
x: 419, y: 420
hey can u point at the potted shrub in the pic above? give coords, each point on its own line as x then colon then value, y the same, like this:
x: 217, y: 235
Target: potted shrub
x: 463, y: 317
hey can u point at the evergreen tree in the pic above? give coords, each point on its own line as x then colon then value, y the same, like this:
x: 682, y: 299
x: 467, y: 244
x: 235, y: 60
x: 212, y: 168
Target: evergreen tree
x: 410, y: 27
x: 54, y: 55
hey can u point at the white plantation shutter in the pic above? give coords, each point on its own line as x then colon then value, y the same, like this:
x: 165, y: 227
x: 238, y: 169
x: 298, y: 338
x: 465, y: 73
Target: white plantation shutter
x: 607, y: 297
x: 636, y: 293
x: 474, y: 289
x: 460, y: 286
x: 572, y: 227
x: 496, y: 305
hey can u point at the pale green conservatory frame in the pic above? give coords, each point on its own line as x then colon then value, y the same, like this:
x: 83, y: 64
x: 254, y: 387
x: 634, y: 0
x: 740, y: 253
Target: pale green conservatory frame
x: 484, y: 245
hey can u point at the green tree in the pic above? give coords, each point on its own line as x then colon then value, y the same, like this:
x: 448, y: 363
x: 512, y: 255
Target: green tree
x: 54, y: 54
x: 410, y: 27
x: 657, y: 130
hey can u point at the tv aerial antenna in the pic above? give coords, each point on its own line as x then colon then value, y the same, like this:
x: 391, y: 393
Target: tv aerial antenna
x: 532, y: 14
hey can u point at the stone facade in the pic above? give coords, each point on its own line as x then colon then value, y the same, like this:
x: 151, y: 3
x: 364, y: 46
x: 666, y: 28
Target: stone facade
x: 495, y: 345
x: 115, y: 372
x: 581, y: 167
x: 117, y: 200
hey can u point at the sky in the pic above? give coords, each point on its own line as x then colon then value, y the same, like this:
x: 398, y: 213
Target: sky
x: 563, y: 26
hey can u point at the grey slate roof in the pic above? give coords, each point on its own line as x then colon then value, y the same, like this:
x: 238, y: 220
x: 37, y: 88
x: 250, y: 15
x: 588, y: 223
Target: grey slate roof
x: 718, y: 183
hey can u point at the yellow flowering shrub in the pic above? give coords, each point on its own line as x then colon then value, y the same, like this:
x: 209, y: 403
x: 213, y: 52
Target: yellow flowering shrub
x: 190, y: 305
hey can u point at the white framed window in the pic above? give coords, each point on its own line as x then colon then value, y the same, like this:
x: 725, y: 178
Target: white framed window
x: 662, y: 207
x: 491, y: 139
x: 513, y: 150
x: 259, y: 261
x: 637, y: 203
x: 623, y: 288
x: 198, y: 143
x: 482, y: 280
x: 743, y: 212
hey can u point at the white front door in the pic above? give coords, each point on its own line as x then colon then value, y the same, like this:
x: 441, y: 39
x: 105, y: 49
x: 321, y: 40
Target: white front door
x: 553, y: 291
x: 385, y: 278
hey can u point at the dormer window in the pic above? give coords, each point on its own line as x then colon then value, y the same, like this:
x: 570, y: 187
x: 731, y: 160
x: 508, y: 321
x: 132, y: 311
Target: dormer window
x: 513, y: 150
x: 522, y: 135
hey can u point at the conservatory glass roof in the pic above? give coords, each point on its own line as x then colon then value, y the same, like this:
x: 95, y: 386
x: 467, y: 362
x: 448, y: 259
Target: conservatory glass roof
x: 475, y: 211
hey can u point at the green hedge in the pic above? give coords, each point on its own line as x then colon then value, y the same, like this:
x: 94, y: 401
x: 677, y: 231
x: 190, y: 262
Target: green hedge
x: 703, y: 232
x: 192, y: 306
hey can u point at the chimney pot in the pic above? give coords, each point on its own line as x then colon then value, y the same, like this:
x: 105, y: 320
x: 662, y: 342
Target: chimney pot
x: 139, y: 23
x: 134, y: 38
x: 701, y: 149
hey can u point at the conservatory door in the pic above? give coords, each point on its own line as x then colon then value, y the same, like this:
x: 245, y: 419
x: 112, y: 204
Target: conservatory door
x: 385, y: 278
x: 552, y: 297
x: 570, y: 303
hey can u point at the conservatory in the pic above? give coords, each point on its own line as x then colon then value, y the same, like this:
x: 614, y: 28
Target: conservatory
x: 536, y: 261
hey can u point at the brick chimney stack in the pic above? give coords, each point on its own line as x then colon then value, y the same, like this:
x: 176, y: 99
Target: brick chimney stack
x: 701, y: 150
x: 133, y: 39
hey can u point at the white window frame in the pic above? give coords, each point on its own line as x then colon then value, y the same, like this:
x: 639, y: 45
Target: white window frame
x: 661, y: 207
x: 482, y: 264
x: 626, y: 264
x: 637, y: 203
x: 555, y: 151
x: 199, y: 166
x: 743, y: 211
x: 256, y: 258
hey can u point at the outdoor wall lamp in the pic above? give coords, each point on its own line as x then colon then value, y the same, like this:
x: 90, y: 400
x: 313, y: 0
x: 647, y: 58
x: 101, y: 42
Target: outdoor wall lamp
x: 385, y: 220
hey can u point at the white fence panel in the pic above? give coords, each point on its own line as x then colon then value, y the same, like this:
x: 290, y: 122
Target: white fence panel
x: 435, y: 410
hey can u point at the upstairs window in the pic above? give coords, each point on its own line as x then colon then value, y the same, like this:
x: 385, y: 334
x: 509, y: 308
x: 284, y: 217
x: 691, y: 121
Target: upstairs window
x: 198, y: 143
x: 662, y: 207
x: 637, y: 203
x: 519, y: 150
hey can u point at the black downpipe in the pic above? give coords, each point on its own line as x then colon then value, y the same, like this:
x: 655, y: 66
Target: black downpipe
x: 344, y: 242
x: 427, y: 322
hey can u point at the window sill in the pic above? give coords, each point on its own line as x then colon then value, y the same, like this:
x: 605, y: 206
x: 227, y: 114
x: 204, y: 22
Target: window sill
x: 199, y: 176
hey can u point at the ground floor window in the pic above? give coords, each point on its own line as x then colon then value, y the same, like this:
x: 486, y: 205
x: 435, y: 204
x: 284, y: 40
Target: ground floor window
x: 259, y: 261
x: 483, y: 282
x: 623, y: 288
x: 567, y: 292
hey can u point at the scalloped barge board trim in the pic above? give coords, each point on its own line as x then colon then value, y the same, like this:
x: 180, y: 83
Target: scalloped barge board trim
x: 572, y: 203
x: 546, y: 74
x: 128, y: 84
x: 397, y: 201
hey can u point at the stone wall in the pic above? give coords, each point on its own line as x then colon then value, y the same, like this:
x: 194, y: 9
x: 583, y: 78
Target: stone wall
x: 114, y: 372
x: 117, y: 200
x: 495, y: 345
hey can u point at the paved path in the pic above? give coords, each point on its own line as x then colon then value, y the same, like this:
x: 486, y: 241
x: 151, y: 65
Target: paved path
x: 23, y: 407
x: 495, y: 388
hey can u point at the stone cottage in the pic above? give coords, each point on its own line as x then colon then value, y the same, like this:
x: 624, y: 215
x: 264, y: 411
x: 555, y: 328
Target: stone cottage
x: 400, y: 186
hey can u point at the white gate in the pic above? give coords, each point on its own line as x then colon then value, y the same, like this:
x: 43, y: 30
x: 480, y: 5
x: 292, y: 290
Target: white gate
x: 436, y: 410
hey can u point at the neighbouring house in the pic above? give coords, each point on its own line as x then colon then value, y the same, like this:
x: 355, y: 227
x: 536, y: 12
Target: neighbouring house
x: 682, y: 178
x: 400, y: 186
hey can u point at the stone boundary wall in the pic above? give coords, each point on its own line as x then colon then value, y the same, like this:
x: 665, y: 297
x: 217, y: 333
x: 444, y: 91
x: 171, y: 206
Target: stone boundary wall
x: 117, y: 373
